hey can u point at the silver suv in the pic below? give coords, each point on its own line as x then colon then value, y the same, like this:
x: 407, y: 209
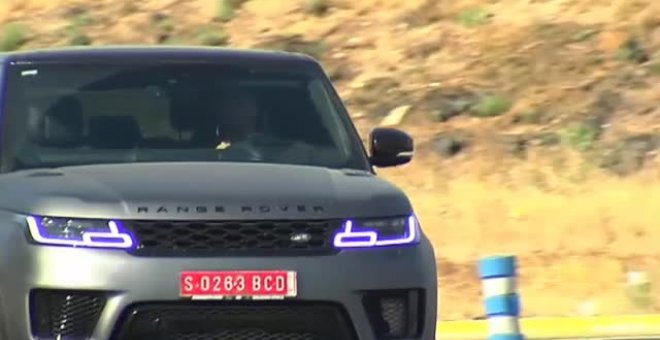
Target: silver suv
x: 200, y: 193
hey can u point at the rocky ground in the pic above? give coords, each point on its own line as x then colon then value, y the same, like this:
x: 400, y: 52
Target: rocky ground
x: 536, y: 121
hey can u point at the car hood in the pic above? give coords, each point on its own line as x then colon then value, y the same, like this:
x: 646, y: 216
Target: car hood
x: 200, y: 191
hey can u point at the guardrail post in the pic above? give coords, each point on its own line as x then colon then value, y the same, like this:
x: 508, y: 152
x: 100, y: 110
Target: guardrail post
x: 498, y: 278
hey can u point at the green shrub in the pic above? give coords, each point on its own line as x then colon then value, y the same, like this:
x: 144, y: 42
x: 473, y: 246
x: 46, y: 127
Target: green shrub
x: 164, y: 27
x: 212, y: 37
x: 580, y: 135
x: 585, y: 34
x: 491, y: 106
x: 316, y: 7
x: 633, y: 51
x: 474, y: 17
x: 654, y: 68
x: 79, y: 39
x: 14, y: 35
x: 226, y: 9
x: 75, y: 29
x: 165, y: 24
x: 82, y: 19
x: 530, y: 117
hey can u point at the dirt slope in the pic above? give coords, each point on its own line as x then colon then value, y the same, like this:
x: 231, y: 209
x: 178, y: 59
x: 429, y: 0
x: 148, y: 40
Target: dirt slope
x: 536, y: 121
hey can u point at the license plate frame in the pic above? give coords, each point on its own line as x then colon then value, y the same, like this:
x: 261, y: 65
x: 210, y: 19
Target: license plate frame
x: 238, y: 285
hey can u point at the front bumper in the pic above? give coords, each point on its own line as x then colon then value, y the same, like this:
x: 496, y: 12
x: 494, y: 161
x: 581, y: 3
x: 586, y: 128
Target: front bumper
x: 125, y: 280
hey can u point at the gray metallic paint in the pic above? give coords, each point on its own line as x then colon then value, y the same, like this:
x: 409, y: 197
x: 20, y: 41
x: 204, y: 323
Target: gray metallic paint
x: 116, y: 191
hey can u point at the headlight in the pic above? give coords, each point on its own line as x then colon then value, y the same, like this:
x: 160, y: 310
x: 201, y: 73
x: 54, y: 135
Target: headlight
x: 79, y: 232
x: 378, y: 233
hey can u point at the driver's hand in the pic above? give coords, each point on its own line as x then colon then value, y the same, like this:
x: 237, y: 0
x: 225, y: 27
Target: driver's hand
x: 223, y: 145
x: 239, y: 152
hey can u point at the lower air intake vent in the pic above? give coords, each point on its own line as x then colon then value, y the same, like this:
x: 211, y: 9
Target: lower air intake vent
x: 395, y: 314
x: 243, y: 335
x: 70, y: 315
x: 204, y: 320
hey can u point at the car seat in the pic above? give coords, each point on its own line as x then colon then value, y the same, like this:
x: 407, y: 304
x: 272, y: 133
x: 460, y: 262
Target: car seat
x: 113, y: 132
x: 61, y: 126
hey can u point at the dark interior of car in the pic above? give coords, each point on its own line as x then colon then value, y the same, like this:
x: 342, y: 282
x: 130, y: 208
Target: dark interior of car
x: 287, y: 113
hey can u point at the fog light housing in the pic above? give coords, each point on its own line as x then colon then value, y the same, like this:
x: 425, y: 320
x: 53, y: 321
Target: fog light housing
x: 63, y: 314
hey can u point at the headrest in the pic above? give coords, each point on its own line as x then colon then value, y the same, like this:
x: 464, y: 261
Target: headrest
x: 236, y: 102
x: 113, y: 132
x: 60, y: 126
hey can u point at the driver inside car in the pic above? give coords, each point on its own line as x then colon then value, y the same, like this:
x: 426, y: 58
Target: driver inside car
x: 237, y: 118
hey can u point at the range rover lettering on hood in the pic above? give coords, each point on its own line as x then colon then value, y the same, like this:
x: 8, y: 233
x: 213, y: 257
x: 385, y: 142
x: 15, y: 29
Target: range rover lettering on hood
x: 204, y: 209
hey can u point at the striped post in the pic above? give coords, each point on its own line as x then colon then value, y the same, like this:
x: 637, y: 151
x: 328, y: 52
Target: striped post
x: 498, y: 278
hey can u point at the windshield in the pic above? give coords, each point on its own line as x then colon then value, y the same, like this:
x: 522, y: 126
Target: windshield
x: 77, y: 114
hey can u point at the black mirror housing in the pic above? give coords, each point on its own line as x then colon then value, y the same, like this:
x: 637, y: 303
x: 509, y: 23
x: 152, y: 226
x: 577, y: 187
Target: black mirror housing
x: 390, y: 147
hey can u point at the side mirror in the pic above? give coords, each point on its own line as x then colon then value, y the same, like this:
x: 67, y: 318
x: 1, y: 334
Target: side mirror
x: 390, y: 147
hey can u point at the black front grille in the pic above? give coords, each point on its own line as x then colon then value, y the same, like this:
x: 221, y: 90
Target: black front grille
x: 235, y: 238
x: 235, y: 321
x: 67, y: 314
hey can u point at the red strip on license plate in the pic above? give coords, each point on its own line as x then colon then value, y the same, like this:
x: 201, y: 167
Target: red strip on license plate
x: 277, y: 284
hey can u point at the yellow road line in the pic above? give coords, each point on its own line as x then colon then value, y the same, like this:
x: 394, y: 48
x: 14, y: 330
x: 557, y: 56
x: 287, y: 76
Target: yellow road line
x: 554, y: 328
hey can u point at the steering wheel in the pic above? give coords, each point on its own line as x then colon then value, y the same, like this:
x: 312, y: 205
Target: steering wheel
x: 243, y: 150
x: 249, y: 148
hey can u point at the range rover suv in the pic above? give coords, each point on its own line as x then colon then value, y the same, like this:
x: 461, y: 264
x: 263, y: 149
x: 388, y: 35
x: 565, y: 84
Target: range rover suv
x: 200, y: 193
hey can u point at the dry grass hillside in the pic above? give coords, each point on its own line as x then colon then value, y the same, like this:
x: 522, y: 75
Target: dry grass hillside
x: 537, y: 121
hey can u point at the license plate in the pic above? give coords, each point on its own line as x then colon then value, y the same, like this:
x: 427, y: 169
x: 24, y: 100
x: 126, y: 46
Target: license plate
x: 264, y: 284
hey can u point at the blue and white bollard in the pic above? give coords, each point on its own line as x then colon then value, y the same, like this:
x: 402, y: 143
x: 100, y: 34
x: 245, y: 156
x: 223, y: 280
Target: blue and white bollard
x: 498, y: 278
